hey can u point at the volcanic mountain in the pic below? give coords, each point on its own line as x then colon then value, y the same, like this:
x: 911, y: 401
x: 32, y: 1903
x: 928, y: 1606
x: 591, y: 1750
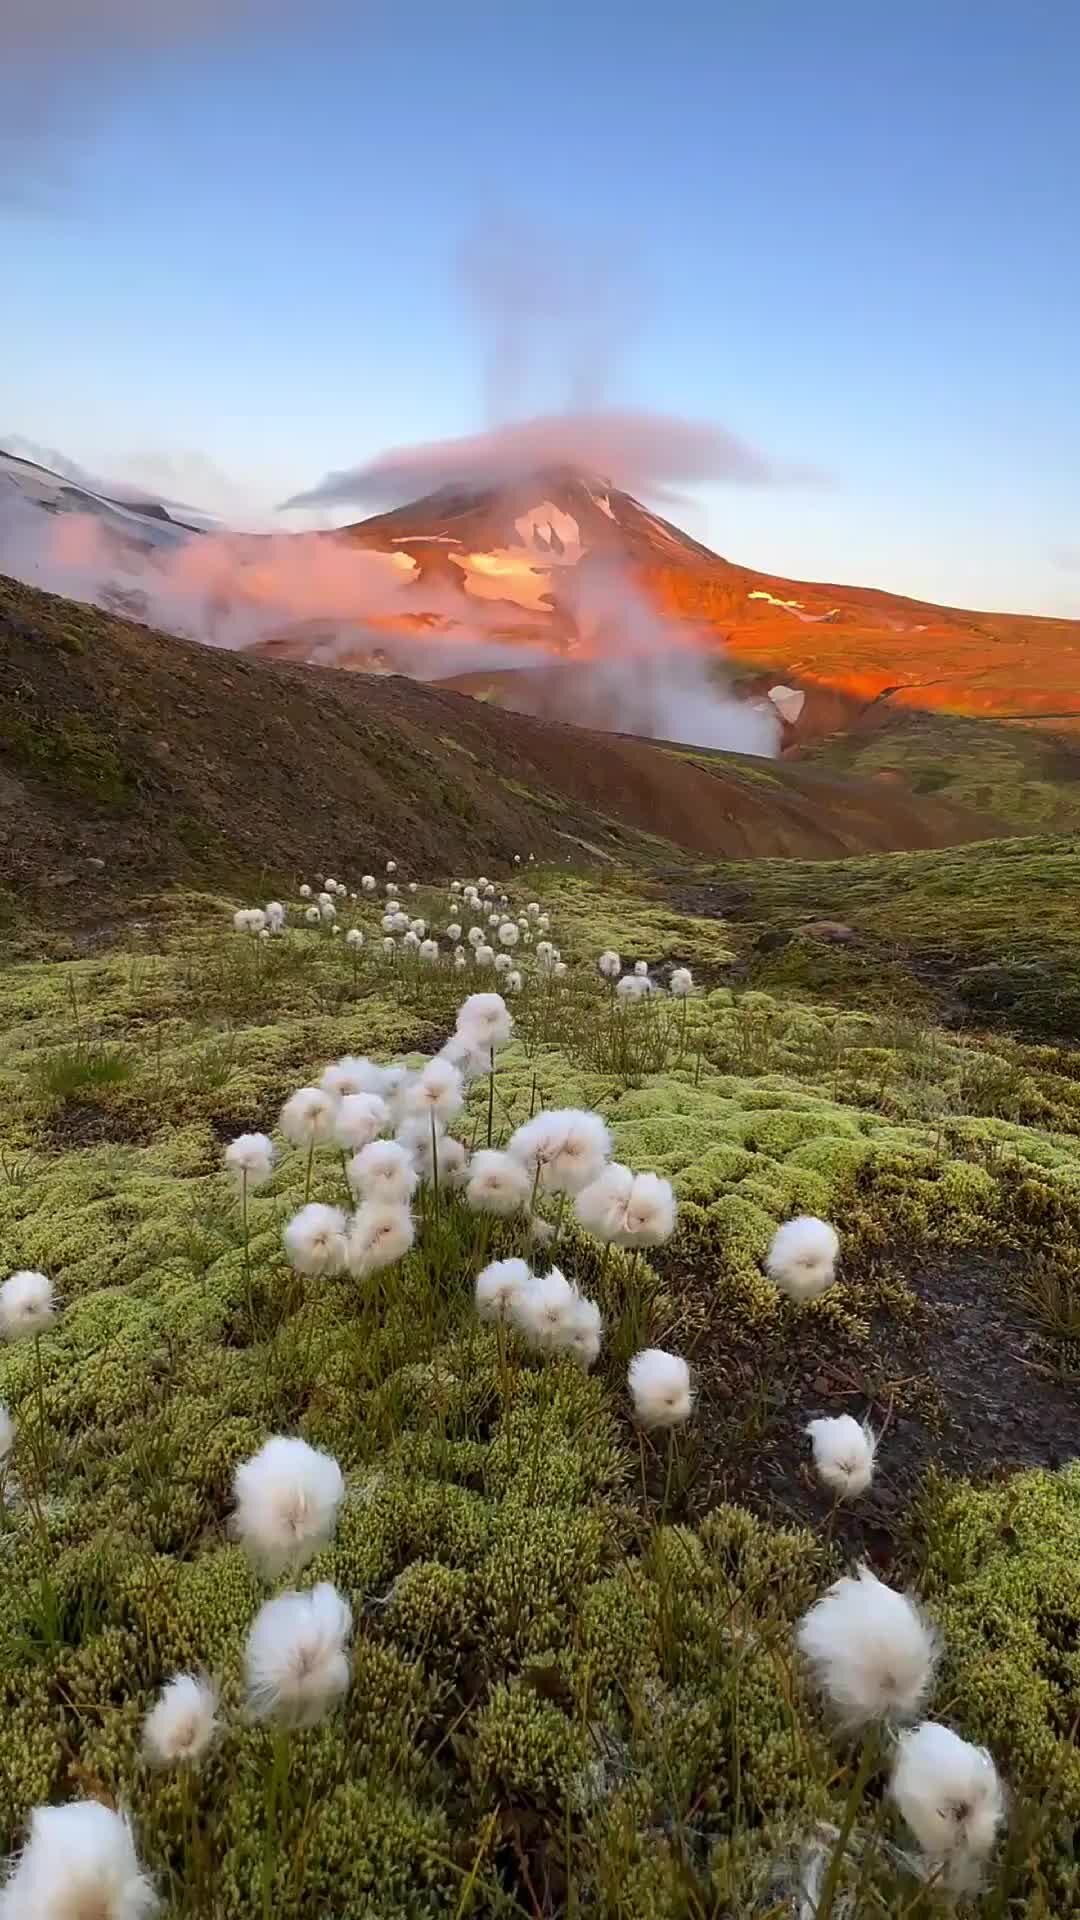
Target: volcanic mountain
x: 490, y: 588
x: 509, y: 563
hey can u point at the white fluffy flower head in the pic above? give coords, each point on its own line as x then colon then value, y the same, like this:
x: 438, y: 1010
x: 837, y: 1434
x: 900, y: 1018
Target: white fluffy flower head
x: 307, y: 1118
x: 681, y: 983
x: 509, y: 933
x: 660, y: 1388
x: 951, y: 1797
x: 27, y: 1305
x: 182, y: 1724
x: 383, y: 1171
x: 439, y: 1089
x: 484, y: 1020
x: 315, y: 1239
x: 499, y: 1286
x: 544, y: 1311
x: 380, y: 1235
x: 497, y: 1183
x: 870, y: 1649
x: 570, y: 1146
x: 287, y: 1498
x: 79, y: 1863
x: 843, y: 1455
x: 250, y: 1157
x: 651, y: 1208
x: 584, y: 1335
x: 802, y: 1257
x: 610, y: 964
x: 601, y: 1206
x: 296, y: 1660
x: 359, y: 1120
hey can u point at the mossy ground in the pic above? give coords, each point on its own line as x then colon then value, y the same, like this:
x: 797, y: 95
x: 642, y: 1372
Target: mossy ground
x: 573, y: 1681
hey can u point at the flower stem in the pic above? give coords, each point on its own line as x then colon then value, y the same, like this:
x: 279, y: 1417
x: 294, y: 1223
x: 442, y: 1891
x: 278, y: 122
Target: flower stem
x: 247, y: 1249
x: 307, y: 1176
x: 491, y: 1096
x: 865, y: 1768
x: 277, y: 1777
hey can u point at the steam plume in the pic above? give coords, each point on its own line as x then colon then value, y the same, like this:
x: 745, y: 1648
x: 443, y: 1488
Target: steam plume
x: 640, y: 451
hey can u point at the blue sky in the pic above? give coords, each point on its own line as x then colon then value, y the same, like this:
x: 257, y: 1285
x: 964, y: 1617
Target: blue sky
x: 845, y: 232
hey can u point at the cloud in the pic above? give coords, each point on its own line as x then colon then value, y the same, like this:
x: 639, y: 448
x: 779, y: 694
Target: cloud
x: 640, y: 451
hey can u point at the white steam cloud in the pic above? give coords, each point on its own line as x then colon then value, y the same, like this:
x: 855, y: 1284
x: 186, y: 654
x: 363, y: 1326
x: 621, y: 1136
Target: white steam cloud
x: 639, y: 451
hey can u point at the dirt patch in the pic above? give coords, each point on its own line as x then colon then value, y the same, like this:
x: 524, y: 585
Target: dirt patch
x: 83, y: 1123
x: 954, y: 1375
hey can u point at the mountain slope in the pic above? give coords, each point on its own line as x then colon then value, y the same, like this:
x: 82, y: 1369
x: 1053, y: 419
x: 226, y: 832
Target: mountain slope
x: 166, y: 760
x: 520, y: 548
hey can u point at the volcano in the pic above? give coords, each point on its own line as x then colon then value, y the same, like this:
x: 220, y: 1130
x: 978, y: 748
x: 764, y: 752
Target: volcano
x: 508, y: 563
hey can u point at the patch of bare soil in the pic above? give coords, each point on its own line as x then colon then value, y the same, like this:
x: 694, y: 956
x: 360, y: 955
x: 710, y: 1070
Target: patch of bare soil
x: 955, y: 1376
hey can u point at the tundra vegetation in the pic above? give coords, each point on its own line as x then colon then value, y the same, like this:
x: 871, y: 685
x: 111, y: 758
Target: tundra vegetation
x: 525, y: 1395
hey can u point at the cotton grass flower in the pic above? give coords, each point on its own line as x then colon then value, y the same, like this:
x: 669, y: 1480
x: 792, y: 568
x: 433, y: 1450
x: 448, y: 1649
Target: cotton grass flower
x: 438, y: 1090
x: 275, y: 915
x: 802, y: 1257
x: 383, y: 1171
x: 651, y: 1208
x: 353, y: 1073
x: 544, y: 1311
x: 610, y: 964
x: 485, y: 1020
x: 354, y: 937
x: 641, y: 968
x: 484, y: 956
x: 567, y: 1148
x: 513, y: 982
x: 660, y: 1388
x: 7, y: 1436
x: 368, y: 882
x: 509, y: 933
x: 391, y: 866
x: 429, y: 952
x: 584, y: 1335
x: 681, y: 983
x: 250, y: 1159
x: 315, y: 1240
x: 951, y: 1797
x: 497, y: 1183
x: 296, y: 1662
x: 389, y: 945
x: 381, y: 1234
x: 304, y: 890
x: 27, y: 1305
x: 475, y: 936
x: 870, y: 1650
x: 312, y: 916
x: 498, y: 1288
x: 633, y: 986
x: 182, y: 1724
x: 453, y: 932
x: 843, y: 1455
x: 79, y: 1863
x: 359, y: 1120
x: 601, y: 1206
x: 307, y: 1118
x: 411, y: 941
x: 503, y: 963
x: 287, y: 1498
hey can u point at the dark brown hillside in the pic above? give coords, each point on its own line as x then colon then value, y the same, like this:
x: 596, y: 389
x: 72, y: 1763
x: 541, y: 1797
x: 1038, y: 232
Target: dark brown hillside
x: 170, y: 761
